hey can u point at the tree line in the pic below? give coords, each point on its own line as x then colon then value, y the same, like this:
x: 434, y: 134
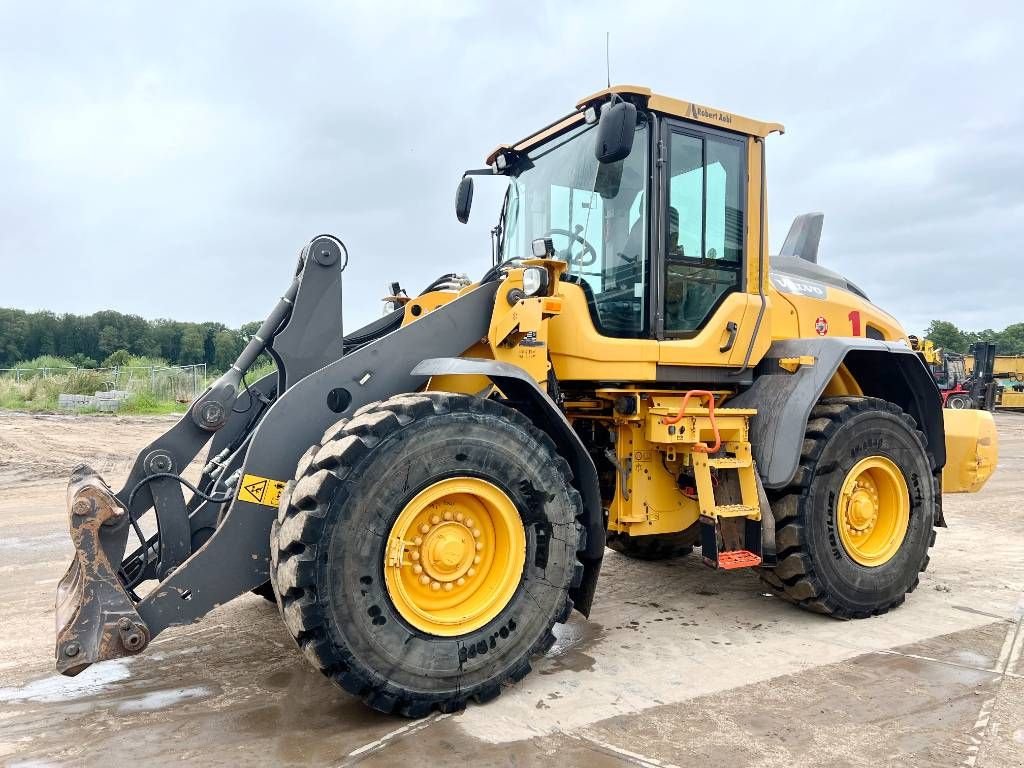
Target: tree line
x: 107, y: 338
x: 1009, y: 341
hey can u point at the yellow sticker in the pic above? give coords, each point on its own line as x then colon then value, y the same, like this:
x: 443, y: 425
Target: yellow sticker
x: 260, y: 490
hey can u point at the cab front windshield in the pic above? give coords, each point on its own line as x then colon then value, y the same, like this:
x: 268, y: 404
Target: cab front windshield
x: 595, y: 214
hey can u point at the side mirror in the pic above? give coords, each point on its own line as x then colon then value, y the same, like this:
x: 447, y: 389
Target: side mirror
x: 615, y: 132
x: 464, y: 199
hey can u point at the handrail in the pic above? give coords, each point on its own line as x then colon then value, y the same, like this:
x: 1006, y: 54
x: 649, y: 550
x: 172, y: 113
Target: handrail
x: 699, y: 447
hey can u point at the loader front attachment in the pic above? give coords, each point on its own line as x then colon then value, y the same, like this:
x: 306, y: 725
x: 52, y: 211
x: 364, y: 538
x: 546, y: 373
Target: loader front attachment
x: 214, y: 545
x: 96, y: 620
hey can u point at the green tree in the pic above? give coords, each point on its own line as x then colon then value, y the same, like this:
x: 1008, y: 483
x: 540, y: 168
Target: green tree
x: 210, y: 331
x: 1010, y: 341
x: 946, y: 335
x: 167, y: 338
x: 117, y: 359
x: 248, y: 329
x: 13, y: 336
x: 226, y: 347
x: 109, y: 340
x: 82, y: 361
x: 193, y: 346
x: 43, y: 328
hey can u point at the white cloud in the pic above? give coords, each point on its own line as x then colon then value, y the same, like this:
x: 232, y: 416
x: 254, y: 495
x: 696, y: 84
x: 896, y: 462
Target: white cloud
x: 154, y: 149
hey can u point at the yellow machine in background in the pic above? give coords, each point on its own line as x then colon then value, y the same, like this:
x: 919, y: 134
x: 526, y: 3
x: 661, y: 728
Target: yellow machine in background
x: 1005, y: 366
x: 1008, y: 370
x: 1011, y: 397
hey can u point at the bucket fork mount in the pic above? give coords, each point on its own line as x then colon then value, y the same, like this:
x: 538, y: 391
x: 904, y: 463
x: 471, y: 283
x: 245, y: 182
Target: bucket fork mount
x: 98, y: 614
x: 216, y: 545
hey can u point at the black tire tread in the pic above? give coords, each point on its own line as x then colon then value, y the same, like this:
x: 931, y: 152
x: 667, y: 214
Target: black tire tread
x: 793, y: 577
x: 658, y: 546
x: 319, y: 482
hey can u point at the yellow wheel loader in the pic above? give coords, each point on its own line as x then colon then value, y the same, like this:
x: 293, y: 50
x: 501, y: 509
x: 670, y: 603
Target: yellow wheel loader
x: 425, y: 497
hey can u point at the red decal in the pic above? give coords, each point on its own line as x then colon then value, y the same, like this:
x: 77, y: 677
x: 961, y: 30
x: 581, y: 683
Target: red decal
x: 855, y: 321
x: 821, y: 325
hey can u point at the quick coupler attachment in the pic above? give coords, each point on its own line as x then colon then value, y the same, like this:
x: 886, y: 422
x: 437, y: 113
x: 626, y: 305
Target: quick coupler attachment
x: 96, y: 620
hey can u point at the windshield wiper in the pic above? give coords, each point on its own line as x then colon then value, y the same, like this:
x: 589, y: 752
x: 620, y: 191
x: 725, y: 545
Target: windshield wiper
x: 498, y: 232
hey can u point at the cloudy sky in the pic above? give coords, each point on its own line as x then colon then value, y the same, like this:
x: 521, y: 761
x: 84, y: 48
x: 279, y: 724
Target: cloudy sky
x: 170, y: 159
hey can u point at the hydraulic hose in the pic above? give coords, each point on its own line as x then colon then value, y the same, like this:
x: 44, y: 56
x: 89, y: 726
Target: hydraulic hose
x: 261, y: 339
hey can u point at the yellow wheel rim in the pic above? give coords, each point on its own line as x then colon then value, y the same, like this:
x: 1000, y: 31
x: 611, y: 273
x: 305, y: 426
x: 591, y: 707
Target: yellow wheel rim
x: 455, y: 556
x: 873, y: 511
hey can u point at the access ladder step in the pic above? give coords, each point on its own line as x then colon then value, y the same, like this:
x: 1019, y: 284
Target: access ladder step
x: 737, y: 510
x: 737, y: 558
x: 730, y: 462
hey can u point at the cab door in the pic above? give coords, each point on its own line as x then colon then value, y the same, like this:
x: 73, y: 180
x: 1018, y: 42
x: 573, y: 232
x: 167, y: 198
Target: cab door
x: 705, y: 314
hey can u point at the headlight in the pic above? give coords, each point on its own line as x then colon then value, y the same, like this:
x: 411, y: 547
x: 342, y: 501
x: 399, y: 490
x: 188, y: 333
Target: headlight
x: 535, y: 280
x: 543, y: 248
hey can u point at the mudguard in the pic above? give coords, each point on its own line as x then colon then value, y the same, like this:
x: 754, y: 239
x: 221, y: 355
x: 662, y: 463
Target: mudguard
x: 524, y: 394
x: 784, y: 399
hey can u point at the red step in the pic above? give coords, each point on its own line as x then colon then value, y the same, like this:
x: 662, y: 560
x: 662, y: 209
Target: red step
x: 737, y: 558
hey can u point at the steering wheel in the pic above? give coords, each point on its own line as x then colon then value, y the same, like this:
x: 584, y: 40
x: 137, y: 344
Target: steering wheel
x: 585, y: 258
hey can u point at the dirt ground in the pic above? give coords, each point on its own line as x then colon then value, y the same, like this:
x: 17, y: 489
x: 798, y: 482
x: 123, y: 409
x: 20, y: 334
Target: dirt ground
x: 679, y: 665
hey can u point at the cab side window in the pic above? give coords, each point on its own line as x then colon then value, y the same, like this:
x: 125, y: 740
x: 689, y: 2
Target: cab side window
x: 704, y: 227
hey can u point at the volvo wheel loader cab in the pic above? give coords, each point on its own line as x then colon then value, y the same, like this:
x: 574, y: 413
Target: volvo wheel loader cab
x: 430, y: 494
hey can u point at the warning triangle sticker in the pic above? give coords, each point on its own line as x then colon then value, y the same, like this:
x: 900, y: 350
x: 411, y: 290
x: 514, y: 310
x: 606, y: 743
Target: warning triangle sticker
x: 260, y: 490
x: 257, y: 489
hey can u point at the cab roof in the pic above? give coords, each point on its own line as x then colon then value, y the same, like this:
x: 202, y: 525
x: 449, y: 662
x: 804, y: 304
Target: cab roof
x: 685, y: 110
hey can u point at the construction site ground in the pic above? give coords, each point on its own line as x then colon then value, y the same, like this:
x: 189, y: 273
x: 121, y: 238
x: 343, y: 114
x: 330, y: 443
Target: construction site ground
x: 678, y: 664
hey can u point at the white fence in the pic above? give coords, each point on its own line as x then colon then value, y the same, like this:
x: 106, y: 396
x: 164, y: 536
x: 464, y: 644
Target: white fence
x: 175, y: 382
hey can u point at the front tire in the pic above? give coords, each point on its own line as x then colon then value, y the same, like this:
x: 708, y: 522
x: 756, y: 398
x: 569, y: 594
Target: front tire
x: 854, y: 530
x: 465, y: 469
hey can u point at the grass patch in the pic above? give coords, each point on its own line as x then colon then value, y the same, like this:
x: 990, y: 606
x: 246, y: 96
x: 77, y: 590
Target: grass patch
x: 145, y: 403
x: 36, y: 391
x: 261, y: 370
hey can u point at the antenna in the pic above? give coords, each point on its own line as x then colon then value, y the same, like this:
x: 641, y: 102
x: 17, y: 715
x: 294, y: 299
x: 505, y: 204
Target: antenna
x: 607, y: 58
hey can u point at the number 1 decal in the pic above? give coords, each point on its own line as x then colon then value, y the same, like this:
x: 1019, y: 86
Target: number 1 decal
x: 855, y: 321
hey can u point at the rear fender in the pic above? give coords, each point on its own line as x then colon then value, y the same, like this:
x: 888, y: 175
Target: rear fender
x: 525, y: 395
x: 887, y: 370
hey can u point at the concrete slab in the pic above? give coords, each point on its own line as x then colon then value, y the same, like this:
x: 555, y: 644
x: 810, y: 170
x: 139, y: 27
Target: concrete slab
x: 678, y: 666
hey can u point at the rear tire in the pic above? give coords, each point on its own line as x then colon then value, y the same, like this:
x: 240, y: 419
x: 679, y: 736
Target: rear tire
x: 328, y: 550
x: 659, y: 546
x: 817, y: 567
